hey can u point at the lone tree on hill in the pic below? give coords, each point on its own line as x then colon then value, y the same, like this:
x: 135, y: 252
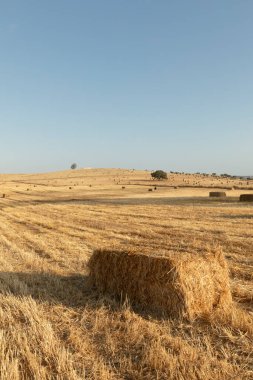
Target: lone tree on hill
x: 73, y: 166
x: 159, y: 174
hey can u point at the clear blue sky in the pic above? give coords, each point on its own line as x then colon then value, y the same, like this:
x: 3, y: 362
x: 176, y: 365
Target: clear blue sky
x: 152, y: 84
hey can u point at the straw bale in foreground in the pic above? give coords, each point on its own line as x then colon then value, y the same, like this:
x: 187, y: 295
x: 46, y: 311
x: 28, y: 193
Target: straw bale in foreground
x: 176, y: 285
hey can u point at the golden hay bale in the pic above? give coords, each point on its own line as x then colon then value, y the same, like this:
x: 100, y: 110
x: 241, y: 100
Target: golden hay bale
x: 176, y: 285
x: 217, y: 194
x: 246, y: 198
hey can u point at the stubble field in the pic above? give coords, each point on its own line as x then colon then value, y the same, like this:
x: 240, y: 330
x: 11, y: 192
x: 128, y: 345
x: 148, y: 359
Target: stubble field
x: 53, y: 325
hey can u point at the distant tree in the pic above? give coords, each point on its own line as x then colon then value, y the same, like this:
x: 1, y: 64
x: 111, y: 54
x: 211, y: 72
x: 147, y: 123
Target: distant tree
x: 159, y: 174
x: 73, y: 166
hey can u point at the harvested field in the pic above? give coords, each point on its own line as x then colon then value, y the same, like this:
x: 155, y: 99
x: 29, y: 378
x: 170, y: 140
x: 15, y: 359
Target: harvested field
x: 55, y: 325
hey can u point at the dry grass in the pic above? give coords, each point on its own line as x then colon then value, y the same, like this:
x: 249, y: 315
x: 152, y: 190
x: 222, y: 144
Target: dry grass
x: 53, y: 325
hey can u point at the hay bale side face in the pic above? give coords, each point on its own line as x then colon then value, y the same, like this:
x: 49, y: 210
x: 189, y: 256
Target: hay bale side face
x: 246, y: 198
x: 217, y: 194
x: 176, y: 286
x: 144, y: 280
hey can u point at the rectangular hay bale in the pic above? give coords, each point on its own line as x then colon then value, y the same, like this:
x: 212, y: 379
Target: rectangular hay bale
x: 246, y: 198
x: 176, y: 285
x: 217, y: 194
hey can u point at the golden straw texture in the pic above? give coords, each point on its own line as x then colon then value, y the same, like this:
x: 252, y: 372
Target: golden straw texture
x: 187, y: 285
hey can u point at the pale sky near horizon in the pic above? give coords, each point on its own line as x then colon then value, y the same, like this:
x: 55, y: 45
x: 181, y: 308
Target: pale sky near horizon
x: 144, y: 84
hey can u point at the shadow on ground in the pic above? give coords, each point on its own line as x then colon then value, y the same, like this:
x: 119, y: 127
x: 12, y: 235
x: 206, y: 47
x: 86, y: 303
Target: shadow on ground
x: 72, y: 291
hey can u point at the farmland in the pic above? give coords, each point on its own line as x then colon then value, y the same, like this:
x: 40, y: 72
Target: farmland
x: 54, y: 325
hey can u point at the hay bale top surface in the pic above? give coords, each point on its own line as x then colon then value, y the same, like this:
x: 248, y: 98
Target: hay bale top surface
x: 161, y: 254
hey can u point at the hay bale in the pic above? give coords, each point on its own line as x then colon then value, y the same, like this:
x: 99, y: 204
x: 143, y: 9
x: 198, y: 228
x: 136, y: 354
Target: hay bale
x: 217, y: 194
x: 176, y: 285
x: 246, y: 198
x: 150, y: 189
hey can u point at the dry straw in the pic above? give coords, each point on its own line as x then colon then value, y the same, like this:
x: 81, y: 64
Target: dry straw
x: 246, y: 198
x: 217, y: 194
x: 177, y: 285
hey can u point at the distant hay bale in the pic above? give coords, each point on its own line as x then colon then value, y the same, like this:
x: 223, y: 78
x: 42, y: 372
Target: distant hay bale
x: 70, y: 187
x: 246, y: 198
x: 217, y: 194
x: 150, y: 189
x: 123, y: 187
x: 176, y: 285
